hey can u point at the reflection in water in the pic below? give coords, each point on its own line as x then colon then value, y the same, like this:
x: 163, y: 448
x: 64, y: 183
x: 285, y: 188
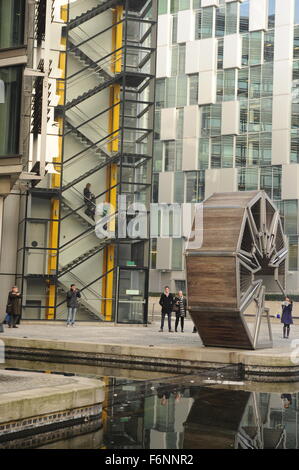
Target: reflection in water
x: 166, y: 416
x: 182, y: 412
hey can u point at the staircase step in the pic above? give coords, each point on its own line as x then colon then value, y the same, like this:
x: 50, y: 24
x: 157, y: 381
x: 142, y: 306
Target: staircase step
x: 89, y: 14
x: 89, y: 93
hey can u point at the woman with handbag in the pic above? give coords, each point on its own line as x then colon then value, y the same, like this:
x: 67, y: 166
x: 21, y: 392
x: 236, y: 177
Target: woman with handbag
x: 13, y: 308
x: 180, y: 308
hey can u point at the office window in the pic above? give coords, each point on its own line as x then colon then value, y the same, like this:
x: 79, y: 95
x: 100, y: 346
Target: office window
x: 180, y: 123
x: 174, y: 32
x: 229, y: 85
x: 10, y: 108
x: 158, y: 156
x: 271, y: 13
x: 203, y: 153
x: 12, y: 16
x: 243, y: 116
x: 219, y: 92
x: 255, y: 48
x: 163, y: 7
x: 266, y: 114
x: 231, y: 25
x: 296, y: 11
x: 245, y: 49
x: 178, y: 155
x: 220, y: 21
x: 243, y: 83
x: 191, y: 186
x: 267, y: 80
x: 171, y: 93
x: 195, y: 187
x: 227, y: 151
x: 254, y: 116
x: 294, y: 157
x: 253, y: 150
x: 248, y: 179
x: 265, y: 148
x: 169, y: 157
x: 241, y: 151
x: 193, y: 89
x: 177, y: 254
x: 216, y: 152
x: 205, y: 120
x: 215, y: 122
x: 198, y: 24
x: 154, y: 252
x: 296, y: 42
x: 291, y: 217
x: 293, y: 253
x: 179, y: 190
x: 182, y: 90
x: 155, y: 187
x: 220, y: 54
x: 255, y: 82
x: 207, y: 22
x: 160, y: 93
x: 244, y: 17
x: 196, y: 4
x: 177, y: 5
x: 269, y: 46
x: 157, y: 124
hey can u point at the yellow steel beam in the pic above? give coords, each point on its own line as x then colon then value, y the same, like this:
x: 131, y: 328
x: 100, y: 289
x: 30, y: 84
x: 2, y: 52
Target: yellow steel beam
x: 55, y: 181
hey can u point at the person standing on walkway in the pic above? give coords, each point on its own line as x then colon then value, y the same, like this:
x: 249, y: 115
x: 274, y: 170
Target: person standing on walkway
x: 72, y: 304
x: 166, y: 302
x: 286, y: 317
x: 180, y: 303
x: 14, y: 306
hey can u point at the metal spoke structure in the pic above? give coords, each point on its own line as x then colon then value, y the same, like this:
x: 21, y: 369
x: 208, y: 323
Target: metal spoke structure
x: 92, y: 122
x: 242, y: 252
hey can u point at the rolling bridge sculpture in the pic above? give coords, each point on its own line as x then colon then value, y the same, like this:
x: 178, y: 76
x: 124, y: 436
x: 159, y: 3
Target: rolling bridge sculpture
x: 236, y: 252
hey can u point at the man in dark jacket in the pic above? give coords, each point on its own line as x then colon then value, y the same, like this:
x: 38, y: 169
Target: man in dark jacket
x: 166, y: 302
x: 72, y: 303
x: 14, y: 306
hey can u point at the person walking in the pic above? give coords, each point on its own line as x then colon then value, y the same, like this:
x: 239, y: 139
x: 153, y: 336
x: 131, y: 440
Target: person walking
x: 166, y: 302
x: 89, y: 199
x: 180, y: 303
x: 72, y: 304
x: 286, y: 317
x: 14, y: 306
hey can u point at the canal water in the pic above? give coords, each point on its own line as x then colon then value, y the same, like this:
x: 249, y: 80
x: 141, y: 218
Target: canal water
x: 145, y: 410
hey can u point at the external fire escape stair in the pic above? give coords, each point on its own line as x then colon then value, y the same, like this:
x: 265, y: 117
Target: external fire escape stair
x: 83, y: 139
x: 85, y: 59
x: 89, y: 14
x: 87, y: 174
x: 82, y: 258
x: 91, y: 92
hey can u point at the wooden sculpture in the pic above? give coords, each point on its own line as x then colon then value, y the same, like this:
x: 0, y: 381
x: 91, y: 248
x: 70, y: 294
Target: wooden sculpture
x: 238, y: 251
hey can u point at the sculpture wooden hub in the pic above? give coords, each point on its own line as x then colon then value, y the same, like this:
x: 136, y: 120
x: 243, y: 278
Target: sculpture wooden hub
x: 238, y: 253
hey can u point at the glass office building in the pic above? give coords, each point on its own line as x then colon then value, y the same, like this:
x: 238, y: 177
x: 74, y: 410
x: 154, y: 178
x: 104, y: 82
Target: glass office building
x: 226, y: 113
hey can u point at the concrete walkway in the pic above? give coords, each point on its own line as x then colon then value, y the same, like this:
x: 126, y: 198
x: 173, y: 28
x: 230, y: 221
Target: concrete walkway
x: 139, y: 347
x: 127, y: 335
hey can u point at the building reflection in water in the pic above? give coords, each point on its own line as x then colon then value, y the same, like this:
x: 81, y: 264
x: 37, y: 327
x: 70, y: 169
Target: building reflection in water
x: 155, y: 415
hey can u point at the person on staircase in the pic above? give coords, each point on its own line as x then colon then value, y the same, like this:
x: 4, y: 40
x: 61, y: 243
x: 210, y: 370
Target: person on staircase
x: 90, y: 201
x: 72, y: 304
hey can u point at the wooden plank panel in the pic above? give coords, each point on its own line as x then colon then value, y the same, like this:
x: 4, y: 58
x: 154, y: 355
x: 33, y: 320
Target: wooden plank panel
x: 211, y: 281
x: 221, y: 329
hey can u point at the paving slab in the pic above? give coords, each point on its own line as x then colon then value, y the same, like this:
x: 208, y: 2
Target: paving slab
x: 145, y: 348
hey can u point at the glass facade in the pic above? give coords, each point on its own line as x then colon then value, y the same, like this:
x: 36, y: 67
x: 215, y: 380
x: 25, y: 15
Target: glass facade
x: 10, y: 105
x: 11, y: 23
x: 251, y: 84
